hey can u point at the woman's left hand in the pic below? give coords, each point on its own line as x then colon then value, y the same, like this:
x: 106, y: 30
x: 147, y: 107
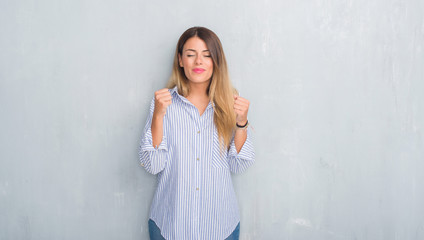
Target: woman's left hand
x: 241, y: 107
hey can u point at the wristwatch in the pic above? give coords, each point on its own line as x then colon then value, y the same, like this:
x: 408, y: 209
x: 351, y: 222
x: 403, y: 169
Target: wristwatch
x: 244, y: 126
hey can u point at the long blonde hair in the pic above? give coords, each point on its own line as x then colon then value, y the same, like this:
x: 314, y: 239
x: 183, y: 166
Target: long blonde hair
x: 220, y: 90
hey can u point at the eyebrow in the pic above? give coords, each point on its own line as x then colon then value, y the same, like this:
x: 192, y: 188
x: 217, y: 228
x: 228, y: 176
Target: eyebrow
x: 195, y: 50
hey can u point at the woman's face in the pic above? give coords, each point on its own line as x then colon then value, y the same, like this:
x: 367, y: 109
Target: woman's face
x: 196, y: 61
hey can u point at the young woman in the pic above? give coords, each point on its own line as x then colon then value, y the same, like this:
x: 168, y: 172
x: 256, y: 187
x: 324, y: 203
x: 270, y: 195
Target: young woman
x: 197, y: 133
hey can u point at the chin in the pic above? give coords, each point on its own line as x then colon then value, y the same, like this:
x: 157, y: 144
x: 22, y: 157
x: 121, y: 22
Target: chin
x: 199, y: 81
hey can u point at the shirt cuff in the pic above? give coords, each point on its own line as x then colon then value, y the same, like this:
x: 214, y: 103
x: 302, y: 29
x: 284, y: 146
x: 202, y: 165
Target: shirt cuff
x: 246, y: 151
x: 147, y: 143
x: 151, y: 158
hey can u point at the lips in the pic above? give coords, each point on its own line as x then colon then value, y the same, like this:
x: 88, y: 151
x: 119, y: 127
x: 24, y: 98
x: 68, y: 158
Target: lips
x: 198, y: 70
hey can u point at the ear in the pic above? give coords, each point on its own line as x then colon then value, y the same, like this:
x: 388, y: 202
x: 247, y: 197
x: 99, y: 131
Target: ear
x: 180, y: 60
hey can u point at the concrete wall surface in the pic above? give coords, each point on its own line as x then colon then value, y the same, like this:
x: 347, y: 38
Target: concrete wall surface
x: 337, y: 106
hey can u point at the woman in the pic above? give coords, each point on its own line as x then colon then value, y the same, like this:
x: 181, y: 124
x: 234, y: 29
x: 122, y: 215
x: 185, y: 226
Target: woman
x: 196, y: 134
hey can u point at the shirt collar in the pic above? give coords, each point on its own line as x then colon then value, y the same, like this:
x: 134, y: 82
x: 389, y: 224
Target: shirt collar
x: 174, y: 91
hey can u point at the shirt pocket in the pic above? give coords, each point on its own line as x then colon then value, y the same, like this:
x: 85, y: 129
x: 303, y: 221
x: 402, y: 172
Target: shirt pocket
x: 219, y: 160
x: 219, y: 154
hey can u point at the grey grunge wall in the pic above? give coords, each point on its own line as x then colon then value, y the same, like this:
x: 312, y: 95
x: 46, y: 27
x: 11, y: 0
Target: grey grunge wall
x: 337, y: 105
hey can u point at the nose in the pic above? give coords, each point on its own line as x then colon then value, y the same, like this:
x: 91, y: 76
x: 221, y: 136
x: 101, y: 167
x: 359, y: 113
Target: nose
x: 199, y: 60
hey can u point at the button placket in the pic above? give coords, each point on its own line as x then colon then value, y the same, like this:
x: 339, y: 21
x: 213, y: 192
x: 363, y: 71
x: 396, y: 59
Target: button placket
x: 198, y: 171
x: 197, y: 156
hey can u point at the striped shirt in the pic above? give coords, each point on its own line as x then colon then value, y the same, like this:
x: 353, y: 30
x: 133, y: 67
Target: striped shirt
x: 195, y: 198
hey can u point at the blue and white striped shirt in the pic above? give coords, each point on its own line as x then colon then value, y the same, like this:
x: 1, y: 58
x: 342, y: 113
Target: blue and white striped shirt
x: 195, y: 198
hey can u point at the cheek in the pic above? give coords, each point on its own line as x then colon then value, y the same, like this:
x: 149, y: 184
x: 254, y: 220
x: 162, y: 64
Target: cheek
x: 210, y: 64
x: 186, y: 71
x: 184, y: 62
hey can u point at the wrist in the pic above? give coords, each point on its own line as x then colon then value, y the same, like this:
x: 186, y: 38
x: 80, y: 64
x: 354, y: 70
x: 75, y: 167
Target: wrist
x: 241, y: 123
x: 158, y: 116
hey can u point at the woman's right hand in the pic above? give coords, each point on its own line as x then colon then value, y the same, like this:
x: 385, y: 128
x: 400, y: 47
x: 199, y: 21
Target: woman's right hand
x: 163, y: 99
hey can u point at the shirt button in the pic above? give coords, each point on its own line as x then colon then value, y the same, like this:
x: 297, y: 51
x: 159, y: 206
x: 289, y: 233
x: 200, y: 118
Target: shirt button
x: 197, y: 159
x: 198, y: 131
x: 142, y: 164
x: 197, y: 188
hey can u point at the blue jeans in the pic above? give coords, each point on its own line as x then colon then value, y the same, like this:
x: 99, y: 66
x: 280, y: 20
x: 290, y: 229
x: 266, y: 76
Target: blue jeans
x: 154, y: 232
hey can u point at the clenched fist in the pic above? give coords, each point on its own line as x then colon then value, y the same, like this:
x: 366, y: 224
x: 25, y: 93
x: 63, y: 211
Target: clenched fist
x: 241, y: 107
x: 163, y: 99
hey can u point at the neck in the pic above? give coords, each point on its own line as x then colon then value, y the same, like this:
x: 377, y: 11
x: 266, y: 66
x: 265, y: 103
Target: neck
x: 198, y: 90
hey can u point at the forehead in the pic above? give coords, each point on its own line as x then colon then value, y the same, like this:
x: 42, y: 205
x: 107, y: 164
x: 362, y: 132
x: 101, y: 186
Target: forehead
x: 195, y: 43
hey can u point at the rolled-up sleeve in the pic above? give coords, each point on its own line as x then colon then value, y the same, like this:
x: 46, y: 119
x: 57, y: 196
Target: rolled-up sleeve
x: 239, y: 162
x: 151, y: 158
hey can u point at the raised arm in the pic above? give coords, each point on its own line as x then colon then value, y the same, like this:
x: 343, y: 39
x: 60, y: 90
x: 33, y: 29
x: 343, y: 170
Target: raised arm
x: 241, y: 108
x: 241, y: 153
x: 162, y: 100
x: 153, y: 146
